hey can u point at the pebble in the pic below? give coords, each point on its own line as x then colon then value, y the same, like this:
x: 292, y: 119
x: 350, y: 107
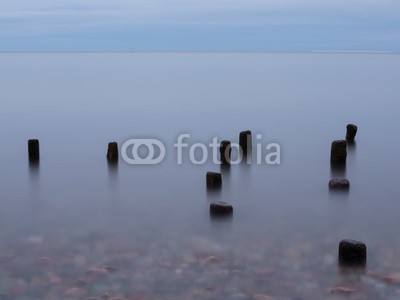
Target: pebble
x: 211, y: 259
x: 75, y: 292
x: 342, y: 290
x: 45, y: 261
x: 110, y: 269
x: 96, y: 272
x: 244, y: 265
x: 199, y: 293
x: 392, y: 279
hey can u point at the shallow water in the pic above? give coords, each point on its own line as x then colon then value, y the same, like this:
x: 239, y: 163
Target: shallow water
x: 150, y: 225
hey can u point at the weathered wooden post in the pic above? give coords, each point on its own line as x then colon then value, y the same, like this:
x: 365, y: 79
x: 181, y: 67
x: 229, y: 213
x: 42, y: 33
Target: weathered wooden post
x: 220, y: 208
x: 214, y: 180
x: 352, y: 253
x: 351, y: 132
x: 112, y: 152
x: 33, y: 150
x: 339, y: 152
x: 339, y: 184
x: 225, y: 152
x: 245, y: 142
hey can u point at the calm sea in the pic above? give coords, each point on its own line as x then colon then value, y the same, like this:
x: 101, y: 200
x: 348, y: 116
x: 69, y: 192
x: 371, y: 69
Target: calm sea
x: 144, y: 231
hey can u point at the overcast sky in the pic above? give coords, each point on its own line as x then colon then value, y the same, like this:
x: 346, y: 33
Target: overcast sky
x: 200, y: 25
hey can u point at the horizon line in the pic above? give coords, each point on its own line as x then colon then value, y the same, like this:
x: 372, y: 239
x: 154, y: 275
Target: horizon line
x: 200, y: 52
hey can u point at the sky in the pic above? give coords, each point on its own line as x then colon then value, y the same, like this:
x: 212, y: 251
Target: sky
x: 200, y: 25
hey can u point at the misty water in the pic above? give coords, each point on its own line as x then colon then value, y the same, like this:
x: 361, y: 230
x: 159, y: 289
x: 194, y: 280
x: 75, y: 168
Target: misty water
x: 75, y: 227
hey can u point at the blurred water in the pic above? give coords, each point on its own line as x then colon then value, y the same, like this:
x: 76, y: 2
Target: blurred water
x: 285, y: 219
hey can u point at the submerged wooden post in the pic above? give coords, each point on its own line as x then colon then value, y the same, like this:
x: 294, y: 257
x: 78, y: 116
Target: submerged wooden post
x: 339, y: 184
x: 214, y: 180
x: 339, y: 152
x: 220, y: 208
x: 33, y: 150
x: 112, y: 152
x: 352, y: 253
x: 351, y: 132
x: 245, y: 142
x: 225, y: 152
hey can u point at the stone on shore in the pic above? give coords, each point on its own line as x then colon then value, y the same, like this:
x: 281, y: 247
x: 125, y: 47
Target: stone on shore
x: 352, y: 253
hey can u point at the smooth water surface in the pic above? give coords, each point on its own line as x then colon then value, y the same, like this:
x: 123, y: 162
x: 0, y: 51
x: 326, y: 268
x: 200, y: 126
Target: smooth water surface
x: 146, y: 229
